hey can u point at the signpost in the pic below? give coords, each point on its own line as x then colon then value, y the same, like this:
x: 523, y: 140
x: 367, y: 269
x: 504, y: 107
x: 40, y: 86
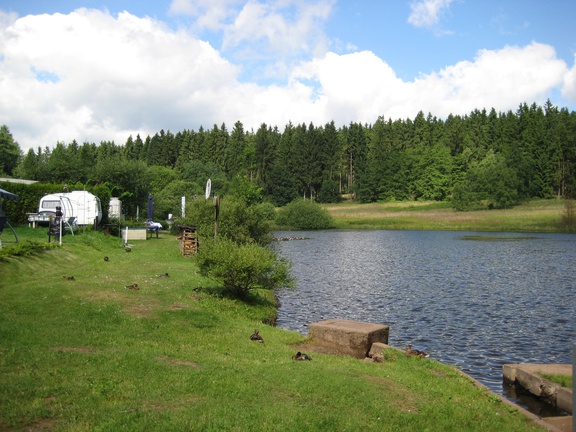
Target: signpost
x: 216, y: 205
x: 217, y: 218
x: 208, y: 188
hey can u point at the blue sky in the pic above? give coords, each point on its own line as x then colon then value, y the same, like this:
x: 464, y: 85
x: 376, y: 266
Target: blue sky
x: 103, y: 70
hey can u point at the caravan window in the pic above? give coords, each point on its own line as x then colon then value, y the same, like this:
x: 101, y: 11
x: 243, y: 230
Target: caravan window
x: 50, y: 205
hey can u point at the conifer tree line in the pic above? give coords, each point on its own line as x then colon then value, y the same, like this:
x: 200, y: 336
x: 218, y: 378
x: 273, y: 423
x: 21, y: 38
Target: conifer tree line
x: 485, y: 159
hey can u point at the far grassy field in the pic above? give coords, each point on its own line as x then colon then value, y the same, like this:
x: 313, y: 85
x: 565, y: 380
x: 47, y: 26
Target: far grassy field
x: 89, y: 354
x: 533, y: 216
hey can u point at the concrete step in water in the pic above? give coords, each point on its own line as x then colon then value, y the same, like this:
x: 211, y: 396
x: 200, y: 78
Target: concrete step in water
x: 528, y: 377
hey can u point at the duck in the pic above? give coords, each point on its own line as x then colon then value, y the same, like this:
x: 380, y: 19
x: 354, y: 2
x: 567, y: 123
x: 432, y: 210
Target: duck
x: 301, y: 356
x: 415, y: 352
x: 68, y: 277
x: 163, y: 275
x: 132, y: 287
x: 256, y: 336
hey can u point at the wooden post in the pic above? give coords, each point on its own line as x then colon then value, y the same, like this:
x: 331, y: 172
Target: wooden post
x: 217, y: 218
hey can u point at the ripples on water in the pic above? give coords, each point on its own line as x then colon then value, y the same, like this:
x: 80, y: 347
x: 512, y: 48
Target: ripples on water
x: 476, y: 301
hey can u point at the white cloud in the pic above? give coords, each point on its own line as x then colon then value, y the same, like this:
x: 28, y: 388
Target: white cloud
x: 209, y: 14
x: 353, y: 87
x: 284, y: 26
x: 361, y: 87
x: 115, y: 76
x: 500, y: 78
x: 92, y: 76
x: 569, y: 88
x: 268, y: 36
x: 426, y: 13
x: 277, y: 26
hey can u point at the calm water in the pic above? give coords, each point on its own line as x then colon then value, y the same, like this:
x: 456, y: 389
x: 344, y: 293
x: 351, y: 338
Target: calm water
x: 473, y: 300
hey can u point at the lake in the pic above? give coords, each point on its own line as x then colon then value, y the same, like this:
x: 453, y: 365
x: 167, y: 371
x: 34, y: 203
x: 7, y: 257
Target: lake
x: 472, y: 300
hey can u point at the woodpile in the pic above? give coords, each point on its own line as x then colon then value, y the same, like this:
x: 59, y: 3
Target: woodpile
x: 188, y: 241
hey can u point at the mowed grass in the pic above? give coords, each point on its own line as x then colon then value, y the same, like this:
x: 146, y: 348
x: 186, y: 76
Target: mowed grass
x: 563, y: 380
x: 533, y: 216
x: 89, y: 354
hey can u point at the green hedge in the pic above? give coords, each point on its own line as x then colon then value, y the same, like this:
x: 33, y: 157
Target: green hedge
x: 30, y: 195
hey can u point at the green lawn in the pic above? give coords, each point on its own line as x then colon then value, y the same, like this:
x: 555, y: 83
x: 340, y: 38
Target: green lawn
x: 89, y: 354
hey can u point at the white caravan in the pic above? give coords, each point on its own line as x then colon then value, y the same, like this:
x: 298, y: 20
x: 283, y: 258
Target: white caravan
x: 78, y: 208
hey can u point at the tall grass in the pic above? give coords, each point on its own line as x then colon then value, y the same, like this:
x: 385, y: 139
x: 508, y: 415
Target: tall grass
x: 533, y: 216
x: 89, y: 354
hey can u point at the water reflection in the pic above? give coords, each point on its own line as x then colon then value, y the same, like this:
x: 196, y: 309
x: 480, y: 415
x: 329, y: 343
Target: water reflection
x: 473, y: 300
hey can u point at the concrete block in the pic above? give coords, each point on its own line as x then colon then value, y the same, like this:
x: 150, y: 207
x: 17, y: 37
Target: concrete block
x: 509, y: 372
x: 564, y: 399
x: 528, y: 376
x: 135, y: 234
x: 530, y: 381
x: 353, y: 338
x: 377, y: 348
x: 561, y: 424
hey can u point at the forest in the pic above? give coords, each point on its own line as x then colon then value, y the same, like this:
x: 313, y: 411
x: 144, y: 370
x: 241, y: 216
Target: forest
x: 482, y: 160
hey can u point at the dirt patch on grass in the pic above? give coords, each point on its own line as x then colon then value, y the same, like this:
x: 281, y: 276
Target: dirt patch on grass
x: 142, y: 310
x: 401, y: 397
x: 178, y: 362
x: 438, y: 372
x: 179, y: 306
x: 83, y: 350
x: 43, y: 425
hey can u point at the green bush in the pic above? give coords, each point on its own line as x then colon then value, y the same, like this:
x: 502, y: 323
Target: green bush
x: 304, y: 214
x: 26, y: 248
x: 241, y: 268
x: 237, y: 221
x: 29, y: 197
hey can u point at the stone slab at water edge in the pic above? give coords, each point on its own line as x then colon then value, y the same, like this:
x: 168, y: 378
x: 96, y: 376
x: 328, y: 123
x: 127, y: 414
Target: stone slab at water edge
x: 348, y: 337
x: 528, y: 376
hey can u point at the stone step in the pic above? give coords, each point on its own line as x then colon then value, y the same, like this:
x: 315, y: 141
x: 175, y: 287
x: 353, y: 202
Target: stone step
x: 353, y: 338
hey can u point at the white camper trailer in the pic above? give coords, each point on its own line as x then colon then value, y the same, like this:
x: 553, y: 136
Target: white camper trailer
x: 115, y: 208
x: 78, y: 208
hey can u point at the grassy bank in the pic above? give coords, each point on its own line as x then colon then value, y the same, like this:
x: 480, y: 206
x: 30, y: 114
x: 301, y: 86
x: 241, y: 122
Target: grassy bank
x: 533, y: 216
x: 89, y: 354
x: 563, y: 380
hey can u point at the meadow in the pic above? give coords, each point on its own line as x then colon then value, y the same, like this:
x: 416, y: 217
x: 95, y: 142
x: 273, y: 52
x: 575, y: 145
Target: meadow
x: 531, y: 216
x: 80, y: 351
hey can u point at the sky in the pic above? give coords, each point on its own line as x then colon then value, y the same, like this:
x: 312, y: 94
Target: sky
x: 102, y: 70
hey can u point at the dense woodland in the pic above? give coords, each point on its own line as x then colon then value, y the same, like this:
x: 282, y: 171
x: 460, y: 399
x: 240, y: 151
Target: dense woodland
x: 482, y: 160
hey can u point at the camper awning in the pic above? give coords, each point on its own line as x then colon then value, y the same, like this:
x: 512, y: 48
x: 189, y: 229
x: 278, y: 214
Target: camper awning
x: 8, y: 195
